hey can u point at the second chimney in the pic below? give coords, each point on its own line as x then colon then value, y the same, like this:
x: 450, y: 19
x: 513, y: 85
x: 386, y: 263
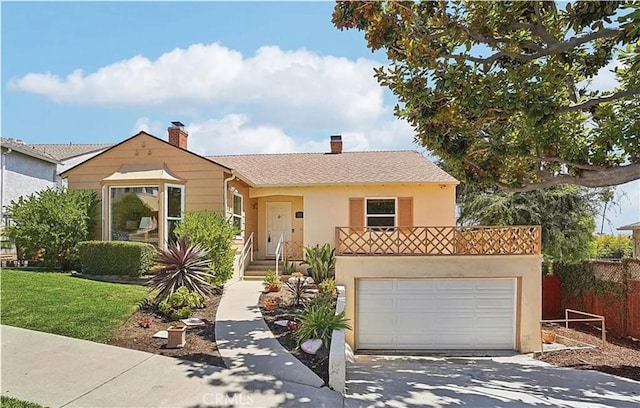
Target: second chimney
x: 336, y: 144
x: 177, y: 135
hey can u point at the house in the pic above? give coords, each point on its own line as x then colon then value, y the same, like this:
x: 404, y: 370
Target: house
x: 413, y: 280
x: 25, y: 170
x: 635, y: 237
x: 71, y: 154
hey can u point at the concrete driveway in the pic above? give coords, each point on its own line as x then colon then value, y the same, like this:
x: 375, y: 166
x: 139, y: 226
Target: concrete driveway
x: 517, y: 381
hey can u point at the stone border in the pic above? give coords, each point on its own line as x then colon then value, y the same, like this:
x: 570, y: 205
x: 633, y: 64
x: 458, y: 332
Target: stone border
x: 339, y: 352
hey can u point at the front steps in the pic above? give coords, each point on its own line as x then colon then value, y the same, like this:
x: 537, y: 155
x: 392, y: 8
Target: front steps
x: 257, y: 269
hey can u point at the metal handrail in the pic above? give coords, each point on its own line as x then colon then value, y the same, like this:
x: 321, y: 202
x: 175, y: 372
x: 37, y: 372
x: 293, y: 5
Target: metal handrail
x: 247, y: 250
x: 279, y: 251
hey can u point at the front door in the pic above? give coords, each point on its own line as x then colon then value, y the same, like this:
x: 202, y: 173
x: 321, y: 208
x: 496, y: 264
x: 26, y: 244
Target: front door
x: 278, y: 223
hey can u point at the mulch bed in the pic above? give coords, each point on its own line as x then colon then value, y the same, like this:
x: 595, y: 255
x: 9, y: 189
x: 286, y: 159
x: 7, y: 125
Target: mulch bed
x: 200, y: 341
x: 620, y: 357
x: 318, y: 363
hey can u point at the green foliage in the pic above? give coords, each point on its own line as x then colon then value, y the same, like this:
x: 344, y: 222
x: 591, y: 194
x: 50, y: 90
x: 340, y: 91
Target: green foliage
x: 322, y: 260
x: 8, y: 402
x: 327, y: 286
x: 55, y: 220
x: 299, y: 289
x: 319, y: 320
x: 116, y: 257
x: 613, y: 246
x: 181, y: 303
x: 181, y: 265
x: 565, y: 213
x: 501, y: 90
x: 215, y: 234
x: 271, y: 282
x: 577, y: 278
x: 61, y: 304
x: 289, y: 267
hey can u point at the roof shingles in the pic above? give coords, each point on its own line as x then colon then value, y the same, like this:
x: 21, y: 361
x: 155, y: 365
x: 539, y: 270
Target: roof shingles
x: 404, y: 166
x: 67, y: 151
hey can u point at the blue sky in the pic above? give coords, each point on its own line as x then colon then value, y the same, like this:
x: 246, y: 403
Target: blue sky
x: 244, y: 77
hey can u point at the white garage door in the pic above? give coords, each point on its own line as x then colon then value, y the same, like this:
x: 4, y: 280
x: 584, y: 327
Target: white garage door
x: 436, y: 314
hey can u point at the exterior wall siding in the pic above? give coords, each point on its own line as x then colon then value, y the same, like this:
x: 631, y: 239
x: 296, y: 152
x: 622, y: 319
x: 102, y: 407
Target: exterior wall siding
x: 24, y: 175
x: 203, y: 180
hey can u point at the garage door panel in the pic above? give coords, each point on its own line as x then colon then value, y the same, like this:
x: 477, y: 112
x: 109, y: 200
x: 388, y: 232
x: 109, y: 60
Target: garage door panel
x: 436, y: 314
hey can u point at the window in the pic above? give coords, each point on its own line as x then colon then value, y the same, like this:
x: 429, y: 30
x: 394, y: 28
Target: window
x: 237, y: 214
x: 380, y: 212
x: 134, y: 214
x: 175, y: 209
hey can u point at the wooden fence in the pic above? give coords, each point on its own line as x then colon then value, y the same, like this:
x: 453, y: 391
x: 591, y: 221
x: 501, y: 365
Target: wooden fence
x: 518, y: 240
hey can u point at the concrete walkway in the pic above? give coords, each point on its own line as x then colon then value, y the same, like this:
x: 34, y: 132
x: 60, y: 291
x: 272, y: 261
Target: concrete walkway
x: 247, y: 345
x: 60, y: 371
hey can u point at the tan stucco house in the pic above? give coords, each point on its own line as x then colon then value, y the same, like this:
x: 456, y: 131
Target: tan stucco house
x: 413, y: 280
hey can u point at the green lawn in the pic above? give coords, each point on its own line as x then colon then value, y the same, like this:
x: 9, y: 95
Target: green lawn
x: 7, y: 402
x: 57, y: 303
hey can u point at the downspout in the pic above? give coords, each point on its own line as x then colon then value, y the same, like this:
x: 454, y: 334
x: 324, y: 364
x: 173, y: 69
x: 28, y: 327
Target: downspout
x: 224, y: 194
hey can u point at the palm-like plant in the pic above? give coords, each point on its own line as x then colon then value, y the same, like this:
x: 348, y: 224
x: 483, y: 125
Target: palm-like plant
x: 182, y: 265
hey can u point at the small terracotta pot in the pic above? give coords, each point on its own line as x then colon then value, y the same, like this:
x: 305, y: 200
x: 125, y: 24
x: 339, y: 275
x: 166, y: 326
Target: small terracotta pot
x: 176, y: 336
x: 549, y: 336
x: 271, y: 304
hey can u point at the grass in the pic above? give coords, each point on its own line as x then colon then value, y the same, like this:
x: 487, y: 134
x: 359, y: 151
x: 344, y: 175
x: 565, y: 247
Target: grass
x: 7, y: 402
x: 60, y: 304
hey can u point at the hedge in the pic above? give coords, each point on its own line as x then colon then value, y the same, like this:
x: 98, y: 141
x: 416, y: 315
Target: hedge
x: 116, y: 257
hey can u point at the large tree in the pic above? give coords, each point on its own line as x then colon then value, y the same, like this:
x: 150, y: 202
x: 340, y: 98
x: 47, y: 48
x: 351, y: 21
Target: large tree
x: 502, y: 91
x: 566, y: 214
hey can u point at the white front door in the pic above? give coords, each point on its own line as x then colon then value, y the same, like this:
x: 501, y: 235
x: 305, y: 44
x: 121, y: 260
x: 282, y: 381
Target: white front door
x: 278, y: 223
x: 436, y: 314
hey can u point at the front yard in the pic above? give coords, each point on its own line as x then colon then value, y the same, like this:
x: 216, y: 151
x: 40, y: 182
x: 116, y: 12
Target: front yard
x: 60, y: 304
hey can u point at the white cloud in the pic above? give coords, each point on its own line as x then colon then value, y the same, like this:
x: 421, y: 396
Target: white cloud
x: 293, y: 87
x: 154, y: 127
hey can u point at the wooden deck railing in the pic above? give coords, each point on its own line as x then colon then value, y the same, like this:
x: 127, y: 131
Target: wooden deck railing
x: 519, y: 240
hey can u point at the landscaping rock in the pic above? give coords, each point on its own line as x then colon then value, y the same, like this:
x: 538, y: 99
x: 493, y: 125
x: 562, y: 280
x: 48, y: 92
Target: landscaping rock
x: 282, y: 323
x: 311, y: 346
x: 162, y: 334
x: 193, y: 321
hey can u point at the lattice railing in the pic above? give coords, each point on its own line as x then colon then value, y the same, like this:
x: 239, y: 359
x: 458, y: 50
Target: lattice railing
x: 520, y: 240
x: 293, y: 250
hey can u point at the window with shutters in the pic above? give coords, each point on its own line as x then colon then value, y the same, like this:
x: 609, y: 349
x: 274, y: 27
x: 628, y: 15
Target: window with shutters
x: 380, y: 212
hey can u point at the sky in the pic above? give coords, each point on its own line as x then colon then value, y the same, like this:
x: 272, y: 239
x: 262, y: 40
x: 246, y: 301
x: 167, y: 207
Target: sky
x: 243, y: 77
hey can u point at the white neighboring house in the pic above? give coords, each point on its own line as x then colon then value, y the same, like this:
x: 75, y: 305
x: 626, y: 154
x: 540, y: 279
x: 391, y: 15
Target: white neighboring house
x: 29, y: 168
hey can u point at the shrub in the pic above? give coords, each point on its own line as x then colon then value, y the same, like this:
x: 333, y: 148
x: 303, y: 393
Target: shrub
x: 271, y: 282
x: 613, y: 246
x: 115, y: 257
x: 322, y: 260
x: 181, y: 303
x: 300, y: 290
x: 215, y: 234
x: 54, y: 220
x: 328, y: 286
x: 319, y: 320
x: 181, y: 264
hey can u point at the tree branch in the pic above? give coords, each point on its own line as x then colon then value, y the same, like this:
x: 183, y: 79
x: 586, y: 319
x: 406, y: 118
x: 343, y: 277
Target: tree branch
x: 596, y: 101
x: 603, y: 177
x: 563, y: 161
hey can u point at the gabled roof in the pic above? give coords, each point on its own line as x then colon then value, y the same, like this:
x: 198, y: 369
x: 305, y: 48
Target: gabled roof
x: 634, y: 226
x: 405, y: 166
x: 142, y: 133
x: 67, y: 151
x: 29, y: 150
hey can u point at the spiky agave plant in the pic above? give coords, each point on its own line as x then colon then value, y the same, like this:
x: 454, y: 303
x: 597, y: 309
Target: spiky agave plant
x: 182, y: 265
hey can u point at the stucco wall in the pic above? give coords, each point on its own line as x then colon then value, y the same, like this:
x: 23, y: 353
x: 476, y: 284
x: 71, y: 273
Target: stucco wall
x: 327, y: 207
x: 525, y: 268
x: 24, y: 175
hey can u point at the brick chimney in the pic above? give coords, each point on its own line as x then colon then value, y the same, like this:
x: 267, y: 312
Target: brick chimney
x: 336, y: 144
x: 177, y: 136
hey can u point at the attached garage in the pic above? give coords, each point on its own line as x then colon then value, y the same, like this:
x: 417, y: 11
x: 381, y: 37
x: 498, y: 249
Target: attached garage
x: 436, y: 314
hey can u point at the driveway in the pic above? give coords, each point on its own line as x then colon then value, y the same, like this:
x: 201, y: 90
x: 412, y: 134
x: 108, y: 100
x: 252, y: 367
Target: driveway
x: 517, y: 381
